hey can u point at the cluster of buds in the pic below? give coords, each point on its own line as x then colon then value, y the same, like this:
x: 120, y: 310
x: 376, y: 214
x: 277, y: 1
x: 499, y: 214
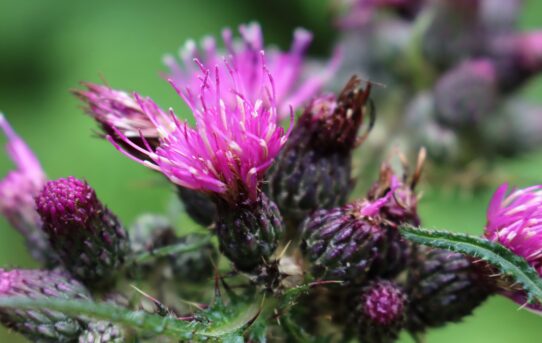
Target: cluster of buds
x: 247, y: 181
x: 456, y: 66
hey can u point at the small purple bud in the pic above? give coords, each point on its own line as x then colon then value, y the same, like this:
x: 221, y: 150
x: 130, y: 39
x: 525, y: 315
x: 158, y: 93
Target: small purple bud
x: 517, y: 57
x: 380, y: 312
x: 466, y: 94
x: 454, y: 33
x: 87, y: 237
x: 41, y: 325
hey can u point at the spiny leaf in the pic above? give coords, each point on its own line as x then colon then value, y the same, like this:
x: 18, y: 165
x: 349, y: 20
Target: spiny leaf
x: 505, y: 260
x: 230, y: 325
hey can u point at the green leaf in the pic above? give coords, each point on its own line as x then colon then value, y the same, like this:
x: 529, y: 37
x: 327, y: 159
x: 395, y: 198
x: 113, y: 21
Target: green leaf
x: 496, y: 254
x: 228, y: 327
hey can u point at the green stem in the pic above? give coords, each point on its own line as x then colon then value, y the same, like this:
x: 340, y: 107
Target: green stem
x: 168, y: 250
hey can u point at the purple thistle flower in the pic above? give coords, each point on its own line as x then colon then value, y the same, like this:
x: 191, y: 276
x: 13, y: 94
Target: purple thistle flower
x: 230, y: 148
x: 116, y: 110
x: 244, y: 56
x: 17, y: 192
x: 515, y: 221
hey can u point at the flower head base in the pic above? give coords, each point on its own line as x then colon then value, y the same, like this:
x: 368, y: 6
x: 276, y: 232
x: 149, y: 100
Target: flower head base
x: 231, y: 147
x: 244, y: 56
x: 17, y: 192
x: 515, y: 221
x: 116, y: 110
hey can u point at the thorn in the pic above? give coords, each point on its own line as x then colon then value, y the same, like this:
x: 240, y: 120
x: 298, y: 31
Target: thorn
x: 162, y: 309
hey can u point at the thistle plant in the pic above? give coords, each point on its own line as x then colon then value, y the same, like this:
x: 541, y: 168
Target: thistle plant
x: 283, y: 249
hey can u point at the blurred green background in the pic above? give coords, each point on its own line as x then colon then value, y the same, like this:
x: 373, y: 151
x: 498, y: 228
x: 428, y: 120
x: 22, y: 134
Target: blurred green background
x: 47, y: 47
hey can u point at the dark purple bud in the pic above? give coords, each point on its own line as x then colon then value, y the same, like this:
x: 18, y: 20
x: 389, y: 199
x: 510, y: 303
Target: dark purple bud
x: 515, y: 129
x: 380, y: 312
x: 517, y: 58
x: 454, y: 33
x: 500, y: 16
x: 466, y: 94
x: 249, y: 232
x: 443, y: 287
x: 353, y: 243
x: 41, y: 325
x: 441, y: 143
x: 88, y: 238
x: 313, y: 170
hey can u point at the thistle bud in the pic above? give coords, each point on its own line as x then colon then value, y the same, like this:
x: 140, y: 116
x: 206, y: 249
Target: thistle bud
x: 380, y: 312
x: 454, y: 33
x: 465, y: 95
x: 500, y: 16
x: 88, y: 238
x: 198, y: 205
x: 313, y: 170
x: 443, y: 287
x: 441, y: 142
x: 194, y: 266
x: 352, y: 243
x: 515, y: 129
x: 149, y: 232
x: 102, y: 332
x: 517, y: 58
x: 41, y: 325
x: 249, y: 232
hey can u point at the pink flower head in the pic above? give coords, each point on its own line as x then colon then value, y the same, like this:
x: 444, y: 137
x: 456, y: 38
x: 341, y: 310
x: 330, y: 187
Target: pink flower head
x: 116, y: 110
x: 244, y: 56
x: 230, y: 147
x: 20, y: 186
x: 515, y: 221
